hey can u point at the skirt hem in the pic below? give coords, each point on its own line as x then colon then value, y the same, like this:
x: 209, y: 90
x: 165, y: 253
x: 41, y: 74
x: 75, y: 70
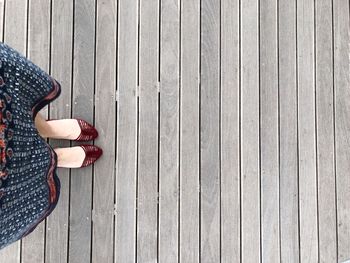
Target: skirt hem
x: 52, y: 178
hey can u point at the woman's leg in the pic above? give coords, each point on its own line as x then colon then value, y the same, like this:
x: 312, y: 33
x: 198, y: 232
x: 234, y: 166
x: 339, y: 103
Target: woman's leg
x: 57, y: 129
x: 42, y: 126
x: 70, y: 157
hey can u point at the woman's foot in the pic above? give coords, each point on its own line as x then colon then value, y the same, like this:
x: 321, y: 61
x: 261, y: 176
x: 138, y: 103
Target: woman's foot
x: 70, y: 157
x: 68, y: 129
x: 58, y: 129
x: 77, y: 156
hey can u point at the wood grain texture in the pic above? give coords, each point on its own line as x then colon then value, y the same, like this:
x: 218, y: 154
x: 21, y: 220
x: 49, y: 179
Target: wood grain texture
x: 105, y: 119
x: 230, y: 134
x: 148, y: 161
x: 325, y: 133
x: 169, y: 132
x: 61, y: 54
x: 2, y: 16
x: 209, y: 133
x: 80, y: 224
x: 125, y: 225
x: 288, y: 130
x: 16, y: 17
x: 189, y: 132
x: 342, y: 123
x: 250, y: 163
x: 306, y: 132
x: 33, y: 248
x: 269, y: 135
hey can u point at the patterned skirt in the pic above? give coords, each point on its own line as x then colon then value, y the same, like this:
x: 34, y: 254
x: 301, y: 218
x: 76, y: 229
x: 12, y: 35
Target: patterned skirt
x: 29, y: 185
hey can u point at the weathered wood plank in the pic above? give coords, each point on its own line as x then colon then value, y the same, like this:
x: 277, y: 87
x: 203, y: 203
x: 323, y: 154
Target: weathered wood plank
x: 342, y: 122
x: 148, y: 161
x: 169, y: 132
x: 105, y: 120
x: 306, y: 132
x: 61, y: 54
x: 83, y: 96
x: 33, y: 248
x: 230, y: 134
x: 250, y: 174
x: 125, y: 228
x: 15, y: 17
x: 189, y: 132
x: 288, y: 130
x: 209, y: 135
x: 269, y: 135
x: 2, y: 16
x: 325, y: 133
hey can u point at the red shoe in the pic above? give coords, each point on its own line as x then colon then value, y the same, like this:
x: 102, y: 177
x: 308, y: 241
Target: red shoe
x: 87, y: 131
x: 92, y: 153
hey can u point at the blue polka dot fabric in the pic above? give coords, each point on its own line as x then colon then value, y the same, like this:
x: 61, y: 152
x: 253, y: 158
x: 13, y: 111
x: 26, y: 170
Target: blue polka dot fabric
x: 29, y: 185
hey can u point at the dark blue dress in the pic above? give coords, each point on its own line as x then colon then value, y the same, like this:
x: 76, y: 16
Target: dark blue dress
x: 29, y: 185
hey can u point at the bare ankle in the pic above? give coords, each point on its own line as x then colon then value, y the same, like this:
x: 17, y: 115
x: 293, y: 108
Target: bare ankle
x: 70, y: 157
x: 60, y: 155
x: 58, y: 129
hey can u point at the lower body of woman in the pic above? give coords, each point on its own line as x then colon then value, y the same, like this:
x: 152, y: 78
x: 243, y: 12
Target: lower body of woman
x: 29, y: 185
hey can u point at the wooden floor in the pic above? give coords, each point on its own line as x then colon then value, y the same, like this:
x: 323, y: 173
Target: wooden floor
x: 225, y: 126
